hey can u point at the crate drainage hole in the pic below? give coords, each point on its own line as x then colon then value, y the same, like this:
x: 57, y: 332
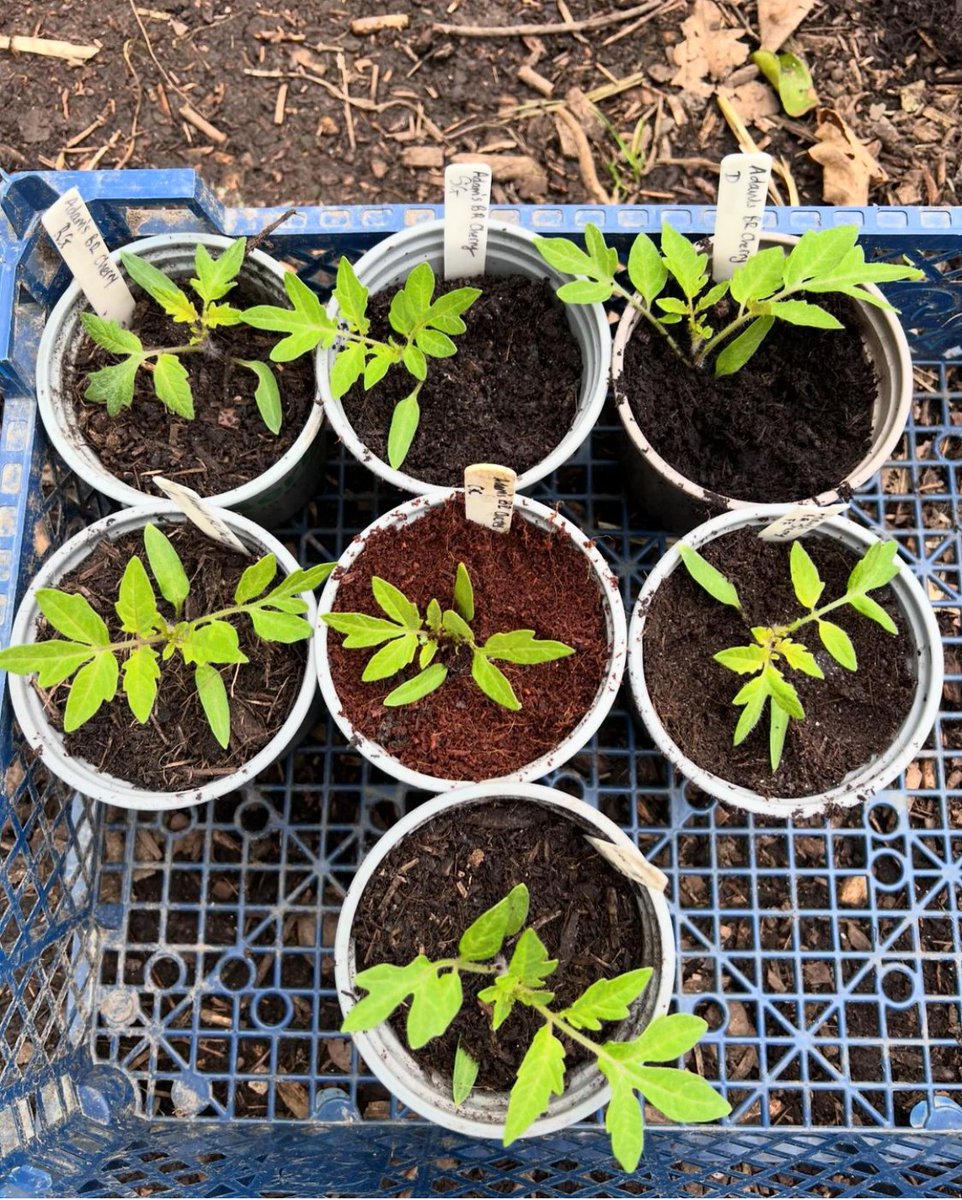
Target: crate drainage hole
x: 273, y: 1010
x: 164, y: 971
x: 899, y: 987
x: 889, y: 870
x: 236, y: 974
x: 254, y: 817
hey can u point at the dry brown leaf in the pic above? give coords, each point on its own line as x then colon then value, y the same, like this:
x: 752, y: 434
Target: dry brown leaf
x: 778, y: 20
x: 754, y: 100
x: 709, y: 49
x: 529, y: 177
x: 849, y: 169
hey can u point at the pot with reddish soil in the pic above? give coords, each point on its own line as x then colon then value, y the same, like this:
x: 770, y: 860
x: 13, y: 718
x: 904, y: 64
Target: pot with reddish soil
x: 226, y: 453
x: 524, y: 389
x: 435, y: 872
x: 809, y: 419
x: 543, y: 575
x: 173, y: 760
x: 861, y: 727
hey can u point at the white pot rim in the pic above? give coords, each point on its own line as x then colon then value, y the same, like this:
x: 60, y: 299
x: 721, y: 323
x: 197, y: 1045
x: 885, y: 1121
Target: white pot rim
x: 586, y: 727
x: 109, y: 484
x: 870, y: 465
x: 390, y: 1061
x: 84, y: 777
x: 861, y: 783
x: 581, y: 428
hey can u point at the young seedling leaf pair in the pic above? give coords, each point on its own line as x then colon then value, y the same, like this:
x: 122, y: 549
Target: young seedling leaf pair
x: 92, y: 659
x: 764, y: 289
x: 774, y: 648
x: 215, y: 277
x: 436, y: 996
x: 403, y: 633
x: 424, y: 325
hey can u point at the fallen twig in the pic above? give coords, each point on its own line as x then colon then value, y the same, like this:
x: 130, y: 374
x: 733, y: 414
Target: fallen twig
x: 586, y: 162
x: 150, y: 50
x: 364, y: 25
x: 258, y: 238
x: 193, y: 117
x: 746, y: 143
x: 348, y: 115
x: 280, y: 104
x: 601, y: 22
x: 49, y: 47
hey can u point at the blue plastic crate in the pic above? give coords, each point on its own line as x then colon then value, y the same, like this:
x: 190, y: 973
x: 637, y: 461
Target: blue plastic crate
x: 168, y: 1023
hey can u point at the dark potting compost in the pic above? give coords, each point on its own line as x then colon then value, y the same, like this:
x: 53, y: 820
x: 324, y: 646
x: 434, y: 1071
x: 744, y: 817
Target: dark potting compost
x: 445, y: 874
x: 176, y: 750
x: 526, y: 579
x: 227, y: 443
x: 850, y: 716
x: 793, y: 422
x: 508, y: 396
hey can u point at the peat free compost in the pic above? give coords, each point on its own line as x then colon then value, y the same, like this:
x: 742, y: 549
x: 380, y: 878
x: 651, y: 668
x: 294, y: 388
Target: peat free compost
x: 447, y: 872
x: 850, y: 716
x: 526, y: 579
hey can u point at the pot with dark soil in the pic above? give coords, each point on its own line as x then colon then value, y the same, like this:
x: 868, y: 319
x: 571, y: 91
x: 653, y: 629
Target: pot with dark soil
x: 790, y: 383
x: 512, y: 972
x: 217, y: 415
x: 449, y: 653
x: 154, y: 668
x: 787, y: 678
x: 521, y: 380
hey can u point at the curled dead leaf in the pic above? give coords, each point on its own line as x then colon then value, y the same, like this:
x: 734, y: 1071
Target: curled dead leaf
x: 710, y: 49
x: 778, y: 20
x: 849, y: 169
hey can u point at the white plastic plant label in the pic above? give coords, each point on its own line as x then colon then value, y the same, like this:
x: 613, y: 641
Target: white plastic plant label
x: 742, y: 192
x: 631, y: 863
x: 797, y: 521
x: 489, y: 495
x: 204, y: 515
x: 467, y: 201
x: 76, y: 236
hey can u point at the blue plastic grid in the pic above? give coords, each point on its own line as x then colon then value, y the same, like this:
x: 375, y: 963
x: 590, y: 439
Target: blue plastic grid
x: 159, y: 968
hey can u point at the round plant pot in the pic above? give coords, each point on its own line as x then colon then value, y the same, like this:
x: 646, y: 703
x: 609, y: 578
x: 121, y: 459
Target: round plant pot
x: 269, y: 498
x: 77, y: 772
x: 511, y: 251
x: 543, y: 518
x: 428, y: 1093
x: 675, y: 502
x: 859, y: 785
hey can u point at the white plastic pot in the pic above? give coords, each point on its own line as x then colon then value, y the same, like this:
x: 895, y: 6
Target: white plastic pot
x: 428, y: 1093
x: 511, y: 251
x: 81, y: 775
x: 269, y: 498
x: 675, y: 502
x: 924, y: 644
x: 542, y: 518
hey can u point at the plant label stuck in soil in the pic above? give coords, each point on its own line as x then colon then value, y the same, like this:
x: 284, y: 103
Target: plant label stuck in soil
x: 742, y: 192
x: 631, y: 863
x: 201, y: 514
x: 489, y: 495
x: 79, y: 241
x: 797, y: 521
x: 467, y: 199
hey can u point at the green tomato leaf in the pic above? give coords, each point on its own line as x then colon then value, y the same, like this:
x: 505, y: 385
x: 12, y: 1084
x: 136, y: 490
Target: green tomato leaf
x: 351, y: 296
x: 712, y: 297
x: 417, y: 688
x: 136, y: 603
x: 307, y: 325
x: 818, y: 252
x: 72, y: 615
x: 404, y: 425
x: 377, y: 366
x: 278, y: 626
x: 390, y: 659
x: 304, y: 579
x: 167, y: 568
x: 607, y: 999
x: 348, y: 368
x: 213, y: 699
x: 215, y: 642
x: 759, y: 276
x: 172, y: 385
x: 394, y: 602
x: 267, y: 395
x: 564, y: 255
x: 113, y: 385
x: 94, y: 684
x: 530, y: 962
x: 256, y: 578
x: 362, y: 630
x: 800, y: 658
x: 671, y: 304
x: 388, y: 987
x: 584, y: 291
x: 464, y: 1075
x: 800, y: 312
x: 445, y: 313
x: 540, y: 1076
x: 400, y: 314
x: 53, y: 661
x: 416, y: 363
x: 790, y: 77
x: 501, y: 995
x: 878, y: 566
x: 805, y: 577
x: 681, y: 1095
x: 463, y: 593
x: 624, y: 1122
x: 217, y: 315
x: 419, y: 288
x: 216, y: 277
x: 875, y: 612
x: 783, y: 693
x: 485, y: 936
x: 668, y: 1037
x: 493, y: 682
x: 779, y: 719
x: 110, y: 335
x: 743, y: 660
x: 456, y: 626
x: 434, y: 617
x: 437, y: 1001
x: 738, y: 352
x: 683, y: 261
x: 521, y: 646
x: 708, y: 577
x: 428, y: 651
x: 837, y: 642
x: 753, y: 696
x: 141, y: 672
x: 646, y: 271
x: 168, y: 295
x: 434, y: 343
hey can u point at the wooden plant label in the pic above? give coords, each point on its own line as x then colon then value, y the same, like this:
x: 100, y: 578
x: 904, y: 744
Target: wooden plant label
x: 76, y: 236
x: 202, y: 514
x: 631, y: 863
x: 489, y: 495
x: 742, y: 192
x: 797, y: 521
x: 467, y: 200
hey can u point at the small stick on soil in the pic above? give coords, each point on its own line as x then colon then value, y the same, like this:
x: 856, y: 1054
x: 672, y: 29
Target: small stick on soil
x: 586, y: 162
x: 746, y: 143
x: 82, y: 137
x: 348, y: 115
x: 254, y: 242
x: 280, y: 103
x: 531, y: 77
x: 601, y: 22
x: 49, y: 47
x: 193, y: 117
x: 150, y: 50
x: 363, y: 25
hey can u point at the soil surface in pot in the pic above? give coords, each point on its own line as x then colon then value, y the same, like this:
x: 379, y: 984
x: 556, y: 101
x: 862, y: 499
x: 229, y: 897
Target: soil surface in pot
x: 227, y: 443
x: 508, y: 396
x: 526, y: 579
x: 176, y: 750
x: 849, y: 716
x: 445, y: 874
x: 792, y: 423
